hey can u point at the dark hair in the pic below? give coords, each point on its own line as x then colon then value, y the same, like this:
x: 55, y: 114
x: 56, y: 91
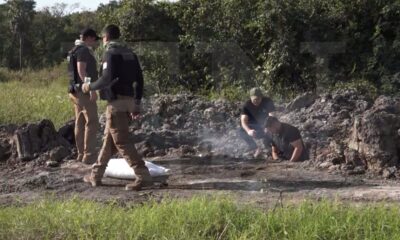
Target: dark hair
x: 112, y: 31
x: 88, y: 32
x: 270, y: 121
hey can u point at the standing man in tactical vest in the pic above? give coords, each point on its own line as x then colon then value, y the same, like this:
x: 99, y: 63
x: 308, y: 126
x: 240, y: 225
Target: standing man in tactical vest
x: 82, y: 64
x: 120, y: 70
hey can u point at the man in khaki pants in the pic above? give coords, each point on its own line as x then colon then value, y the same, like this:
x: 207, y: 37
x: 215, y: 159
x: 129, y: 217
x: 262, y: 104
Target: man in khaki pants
x: 120, y: 70
x: 83, y: 65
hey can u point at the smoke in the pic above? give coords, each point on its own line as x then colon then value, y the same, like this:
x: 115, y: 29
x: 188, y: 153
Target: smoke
x: 226, y: 142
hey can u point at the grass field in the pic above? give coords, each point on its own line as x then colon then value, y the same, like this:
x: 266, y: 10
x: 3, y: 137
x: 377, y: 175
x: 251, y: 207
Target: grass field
x: 19, y: 104
x: 199, y: 218
x: 31, y: 96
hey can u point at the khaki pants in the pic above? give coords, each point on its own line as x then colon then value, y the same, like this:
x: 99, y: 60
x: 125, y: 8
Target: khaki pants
x: 86, y: 126
x: 116, y: 139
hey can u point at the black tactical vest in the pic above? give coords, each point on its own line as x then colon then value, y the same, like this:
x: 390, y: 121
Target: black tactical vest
x: 123, y: 63
x: 74, y: 79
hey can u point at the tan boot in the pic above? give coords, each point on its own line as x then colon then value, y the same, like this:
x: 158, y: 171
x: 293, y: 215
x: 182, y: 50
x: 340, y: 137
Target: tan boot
x: 91, y: 180
x: 143, y: 179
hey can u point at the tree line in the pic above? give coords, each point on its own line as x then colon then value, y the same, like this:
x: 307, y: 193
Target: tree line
x: 200, y: 45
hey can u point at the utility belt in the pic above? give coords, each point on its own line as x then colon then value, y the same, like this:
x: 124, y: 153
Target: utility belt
x: 122, y: 104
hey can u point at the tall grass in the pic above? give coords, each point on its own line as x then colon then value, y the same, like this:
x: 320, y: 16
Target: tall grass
x: 21, y: 103
x: 199, y: 218
x: 30, y: 96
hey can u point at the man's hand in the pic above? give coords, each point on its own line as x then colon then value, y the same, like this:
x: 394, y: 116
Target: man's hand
x: 136, y: 114
x: 252, y: 133
x: 93, y: 96
x: 85, y: 87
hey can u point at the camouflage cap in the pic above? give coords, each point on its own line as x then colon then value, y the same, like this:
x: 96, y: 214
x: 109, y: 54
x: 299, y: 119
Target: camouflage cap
x: 256, y: 92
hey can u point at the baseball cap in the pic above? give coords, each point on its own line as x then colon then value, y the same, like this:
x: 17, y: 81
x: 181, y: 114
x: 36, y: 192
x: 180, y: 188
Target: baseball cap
x: 88, y: 32
x: 256, y: 92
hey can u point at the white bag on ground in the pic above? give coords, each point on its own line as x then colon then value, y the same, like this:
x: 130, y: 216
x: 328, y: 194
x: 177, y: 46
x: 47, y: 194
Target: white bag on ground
x: 119, y: 168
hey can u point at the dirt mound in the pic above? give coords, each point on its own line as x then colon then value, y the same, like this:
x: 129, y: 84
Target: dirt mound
x: 350, y: 133
x: 34, y: 141
x: 345, y: 132
x: 375, y: 134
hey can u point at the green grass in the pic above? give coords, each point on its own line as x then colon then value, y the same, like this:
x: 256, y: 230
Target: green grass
x: 31, y: 96
x: 198, y: 218
x: 21, y: 104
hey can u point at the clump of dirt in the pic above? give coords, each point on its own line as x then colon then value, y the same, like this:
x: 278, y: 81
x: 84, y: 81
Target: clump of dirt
x: 37, y: 143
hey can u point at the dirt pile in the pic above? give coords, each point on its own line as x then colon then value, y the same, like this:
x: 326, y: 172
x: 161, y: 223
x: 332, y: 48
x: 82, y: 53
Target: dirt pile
x: 34, y: 141
x: 187, y: 125
x: 350, y: 133
x: 374, y: 134
x: 345, y: 132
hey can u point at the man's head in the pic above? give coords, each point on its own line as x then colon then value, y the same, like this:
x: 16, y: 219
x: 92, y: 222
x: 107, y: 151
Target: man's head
x: 89, y: 36
x: 256, y: 96
x: 110, y: 32
x: 273, y: 125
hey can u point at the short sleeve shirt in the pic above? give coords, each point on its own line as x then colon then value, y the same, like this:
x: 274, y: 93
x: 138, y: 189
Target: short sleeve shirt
x: 282, y: 141
x: 85, y: 55
x: 258, y: 114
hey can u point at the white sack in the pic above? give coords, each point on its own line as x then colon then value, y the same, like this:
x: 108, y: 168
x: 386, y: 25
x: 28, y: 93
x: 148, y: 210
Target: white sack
x: 119, y: 168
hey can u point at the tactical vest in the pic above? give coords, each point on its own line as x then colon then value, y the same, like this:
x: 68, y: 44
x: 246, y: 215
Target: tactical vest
x: 74, y: 79
x: 124, y: 67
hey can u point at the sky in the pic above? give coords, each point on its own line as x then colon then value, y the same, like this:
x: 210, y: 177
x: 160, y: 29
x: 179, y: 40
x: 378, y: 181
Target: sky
x: 87, y: 5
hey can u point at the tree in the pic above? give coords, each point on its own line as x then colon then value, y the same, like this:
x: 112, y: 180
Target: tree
x: 20, y: 13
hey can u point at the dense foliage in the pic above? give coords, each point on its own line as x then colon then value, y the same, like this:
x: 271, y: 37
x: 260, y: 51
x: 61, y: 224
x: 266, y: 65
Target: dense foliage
x: 199, y: 45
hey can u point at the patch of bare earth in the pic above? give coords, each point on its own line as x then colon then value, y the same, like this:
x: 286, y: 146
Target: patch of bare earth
x: 248, y: 181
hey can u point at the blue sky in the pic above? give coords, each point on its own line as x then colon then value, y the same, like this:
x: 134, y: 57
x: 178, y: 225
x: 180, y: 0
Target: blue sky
x: 89, y: 5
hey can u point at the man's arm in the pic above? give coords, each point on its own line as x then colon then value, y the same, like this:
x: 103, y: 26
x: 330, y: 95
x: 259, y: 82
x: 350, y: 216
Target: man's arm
x: 81, y: 66
x: 106, y: 78
x: 244, y: 120
x: 275, y: 155
x: 298, y: 150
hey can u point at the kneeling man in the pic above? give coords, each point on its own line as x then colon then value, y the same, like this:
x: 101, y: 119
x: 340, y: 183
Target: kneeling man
x: 287, y: 143
x: 254, y: 113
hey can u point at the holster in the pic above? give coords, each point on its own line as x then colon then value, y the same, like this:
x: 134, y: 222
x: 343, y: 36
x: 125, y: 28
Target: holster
x: 74, y: 88
x: 107, y: 94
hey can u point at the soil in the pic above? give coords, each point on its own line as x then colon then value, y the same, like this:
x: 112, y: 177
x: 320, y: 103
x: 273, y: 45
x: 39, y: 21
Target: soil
x: 353, y: 143
x: 265, y: 183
